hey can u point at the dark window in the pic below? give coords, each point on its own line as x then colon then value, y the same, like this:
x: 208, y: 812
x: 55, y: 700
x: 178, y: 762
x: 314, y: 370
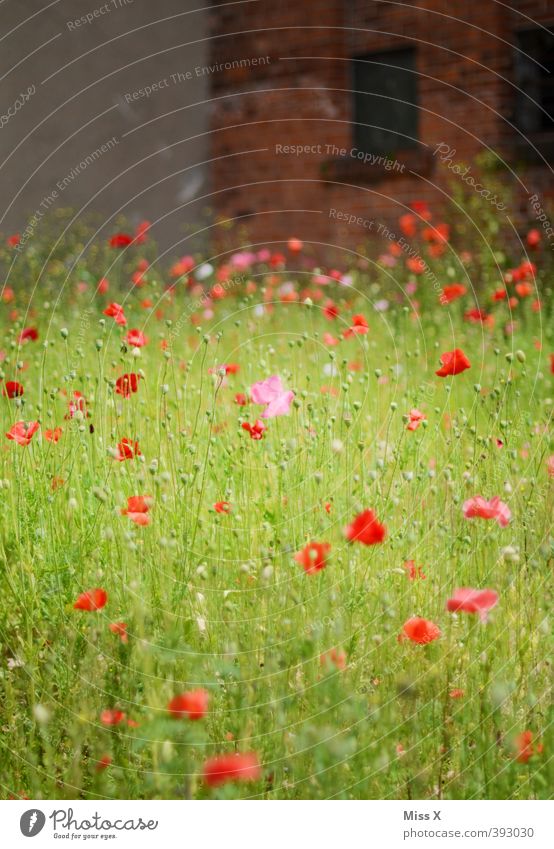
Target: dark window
x: 385, y: 101
x: 534, y: 78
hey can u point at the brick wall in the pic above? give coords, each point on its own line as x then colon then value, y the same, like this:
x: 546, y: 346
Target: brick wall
x: 301, y: 95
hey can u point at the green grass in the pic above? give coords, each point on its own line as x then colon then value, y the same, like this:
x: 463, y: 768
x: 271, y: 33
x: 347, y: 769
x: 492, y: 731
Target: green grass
x: 218, y: 601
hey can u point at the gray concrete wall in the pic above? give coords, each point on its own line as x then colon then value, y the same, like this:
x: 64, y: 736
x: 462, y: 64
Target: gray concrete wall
x: 68, y: 86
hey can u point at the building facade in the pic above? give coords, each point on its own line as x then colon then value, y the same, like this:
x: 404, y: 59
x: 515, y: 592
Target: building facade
x: 325, y: 113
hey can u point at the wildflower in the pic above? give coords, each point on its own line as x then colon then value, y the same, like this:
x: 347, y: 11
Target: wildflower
x: 330, y: 310
x: 533, y: 238
x: 127, y: 449
x: 333, y: 657
x: 271, y: 393
x: 119, y: 628
x: 53, y: 435
x: 359, y: 327
x: 222, y: 507
x: 453, y: 362
x: 103, y: 763
x: 28, y: 334
x: 22, y: 432
x: 91, y: 600
x: 416, y: 417
x: 526, y: 747
x: 414, y: 572
x: 472, y: 601
x: 12, y: 389
x: 137, y: 509
x: 126, y: 384
x: 112, y: 717
x: 550, y: 466
x: 366, y: 529
x: 295, y: 245
x: 192, y: 705
x: 256, y: 430
x: 115, y: 311
x: 420, y: 631
x: 479, y: 507
x: 452, y: 292
x: 313, y: 557
x: 233, y: 767
x: 408, y: 224
x: 78, y: 404
x: 136, y: 338
x: 456, y: 693
x: 120, y: 240
x: 241, y: 399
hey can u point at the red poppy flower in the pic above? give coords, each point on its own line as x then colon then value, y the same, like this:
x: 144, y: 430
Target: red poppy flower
x: 333, y: 657
x: 92, y: 600
x: 234, y: 767
x: 453, y: 362
x: 524, y: 289
x: 295, y: 245
x: 53, y: 435
x: 119, y: 628
x: 408, y: 224
x: 414, y: 572
x: 192, y: 704
x: 141, y: 232
x: 313, y: 557
x: 472, y: 601
x: 422, y: 209
x: 28, y: 334
x: 456, y: 693
x: 452, y: 292
x: 552, y: 363
x: 416, y: 417
x: 500, y: 295
x: 420, y: 631
x: 366, y: 529
x: 112, y: 717
x: 137, y: 509
x: 103, y: 285
x: 415, y: 264
x: 12, y: 389
x: 127, y: 384
x: 115, y: 311
x: 222, y: 507
x: 533, y: 238
x: 241, y: 399
x: 78, y: 404
x: 127, y: 450
x: 13, y: 240
x: 136, y: 338
x: 526, y: 747
x: 330, y: 310
x: 120, y: 240
x: 359, y: 327
x: 256, y: 430
x: 103, y: 763
x: 479, y: 507
x: 22, y: 432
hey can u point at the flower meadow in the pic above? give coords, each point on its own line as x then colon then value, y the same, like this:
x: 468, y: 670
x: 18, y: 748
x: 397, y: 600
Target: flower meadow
x: 275, y: 528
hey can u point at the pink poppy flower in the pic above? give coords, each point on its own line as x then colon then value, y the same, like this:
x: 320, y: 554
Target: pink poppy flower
x: 271, y: 393
x: 416, y: 417
x: 472, y: 601
x: 22, y: 432
x: 479, y: 507
x: 550, y: 466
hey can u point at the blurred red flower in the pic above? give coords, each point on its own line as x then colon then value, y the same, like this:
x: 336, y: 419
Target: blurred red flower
x: 256, y: 430
x: 91, y: 600
x: 313, y: 557
x: 137, y: 509
x: 193, y: 704
x: 22, y: 432
x: 127, y: 449
x: 472, y: 601
x: 359, y: 327
x: 120, y: 240
x: 453, y: 362
x: 53, y: 435
x: 28, y: 334
x: 127, y: 384
x: 119, y: 628
x: 222, y: 507
x: 233, y: 767
x: 115, y: 311
x: 136, y: 338
x: 420, y: 631
x: 12, y: 389
x: 366, y: 529
x: 452, y: 292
